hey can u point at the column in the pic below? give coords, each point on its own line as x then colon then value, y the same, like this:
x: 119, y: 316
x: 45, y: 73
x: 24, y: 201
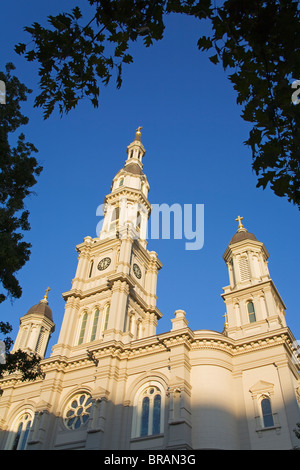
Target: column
x: 118, y: 307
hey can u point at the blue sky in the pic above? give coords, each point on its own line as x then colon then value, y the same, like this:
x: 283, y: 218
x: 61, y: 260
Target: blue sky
x: 193, y: 135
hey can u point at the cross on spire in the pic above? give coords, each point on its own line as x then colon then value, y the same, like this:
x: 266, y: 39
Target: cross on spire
x: 46, y: 294
x: 239, y: 219
x: 138, y: 133
x: 226, y: 320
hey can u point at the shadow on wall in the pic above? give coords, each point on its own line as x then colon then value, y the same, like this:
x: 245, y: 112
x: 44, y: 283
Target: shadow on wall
x: 99, y: 424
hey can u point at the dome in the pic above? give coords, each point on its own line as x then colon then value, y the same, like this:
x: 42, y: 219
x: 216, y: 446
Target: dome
x: 42, y: 309
x: 133, y: 168
x: 242, y: 235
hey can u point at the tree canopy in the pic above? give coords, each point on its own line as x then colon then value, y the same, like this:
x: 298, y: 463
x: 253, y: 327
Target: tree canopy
x: 18, y: 172
x: 259, y: 41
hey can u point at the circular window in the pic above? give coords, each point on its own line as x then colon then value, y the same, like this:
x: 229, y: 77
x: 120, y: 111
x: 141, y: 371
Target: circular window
x: 137, y: 271
x: 77, y: 411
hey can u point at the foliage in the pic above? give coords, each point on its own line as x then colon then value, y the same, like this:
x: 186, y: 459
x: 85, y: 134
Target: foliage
x: 259, y: 39
x: 18, y: 172
x: 73, y: 58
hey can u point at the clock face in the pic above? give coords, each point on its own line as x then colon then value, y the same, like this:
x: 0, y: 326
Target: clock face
x: 104, y: 263
x: 137, y: 271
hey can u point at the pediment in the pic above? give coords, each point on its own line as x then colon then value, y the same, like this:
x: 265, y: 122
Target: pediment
x: 261, y: 386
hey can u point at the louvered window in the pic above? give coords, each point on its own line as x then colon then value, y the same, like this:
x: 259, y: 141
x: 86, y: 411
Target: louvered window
x: 244, y: 269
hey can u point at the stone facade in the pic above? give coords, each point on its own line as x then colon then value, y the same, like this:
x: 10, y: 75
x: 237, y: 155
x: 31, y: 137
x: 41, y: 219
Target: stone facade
x: 112, y: 383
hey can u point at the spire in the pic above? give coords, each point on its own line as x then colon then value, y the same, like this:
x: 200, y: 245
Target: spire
x: 135, y: 150
x: 127, y: 204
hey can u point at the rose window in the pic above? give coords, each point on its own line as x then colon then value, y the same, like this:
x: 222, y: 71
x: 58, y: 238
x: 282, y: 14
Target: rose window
x: 77, y: 411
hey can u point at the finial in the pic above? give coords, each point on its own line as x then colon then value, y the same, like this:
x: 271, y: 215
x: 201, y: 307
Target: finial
x: 241, y: 226
x: 45, y: 299
x: 138, y: 133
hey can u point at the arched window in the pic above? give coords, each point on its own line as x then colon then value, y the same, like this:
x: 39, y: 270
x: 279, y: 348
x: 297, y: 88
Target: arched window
x: 145, y: 417
x: 121, y: 182
x: 266, y: 412
x: 156, y: 414
x: 83, y: 327
x: 115, y: 219
x: 237, y: 312
x: 19, y: 437
x: 91, y: 268
x: 106, y: 317
x: 138, y: 220
x: 95, y: 325
x: 40, y: 339
x: 148, y: 413
x: 251, y: 312
x: 23, y: 338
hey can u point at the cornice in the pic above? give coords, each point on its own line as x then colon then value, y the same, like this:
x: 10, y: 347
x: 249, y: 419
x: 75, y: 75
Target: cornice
x: 120, y: 276
x: 92, y: 244
x: 235, y: 248
x: 79, y: 293
x: 147, y: 255
x: 164, y: 344
x: 253, y: 288
x: 143, y: 305
x: 130, y: 193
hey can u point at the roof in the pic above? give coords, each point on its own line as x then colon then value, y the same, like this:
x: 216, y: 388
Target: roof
x: 42, y: 309
x: 242, y: 235
x: 133, y: 168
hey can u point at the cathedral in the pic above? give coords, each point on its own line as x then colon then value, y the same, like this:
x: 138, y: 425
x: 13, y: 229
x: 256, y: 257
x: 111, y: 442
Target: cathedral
x: 112, y: 383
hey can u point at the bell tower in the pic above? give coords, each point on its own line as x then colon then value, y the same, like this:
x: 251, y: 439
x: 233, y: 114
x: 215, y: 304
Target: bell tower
x: 253, y: 303
x: 127, y: 206
x: 113, y: 294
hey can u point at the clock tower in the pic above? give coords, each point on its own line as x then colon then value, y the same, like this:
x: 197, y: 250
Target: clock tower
x: 113, y: 294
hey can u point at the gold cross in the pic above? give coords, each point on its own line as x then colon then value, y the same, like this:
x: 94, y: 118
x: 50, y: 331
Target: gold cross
x: 226, y: 322
x: 239, y: 221
x: 47, y: 291
x: 138, y: 131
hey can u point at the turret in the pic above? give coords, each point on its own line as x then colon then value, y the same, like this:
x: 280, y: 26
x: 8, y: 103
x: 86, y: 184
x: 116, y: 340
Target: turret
x: 36, y: 327
x: 252, y: 300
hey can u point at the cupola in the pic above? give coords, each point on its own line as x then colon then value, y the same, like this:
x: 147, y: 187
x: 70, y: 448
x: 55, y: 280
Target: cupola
x: 36, y: 327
